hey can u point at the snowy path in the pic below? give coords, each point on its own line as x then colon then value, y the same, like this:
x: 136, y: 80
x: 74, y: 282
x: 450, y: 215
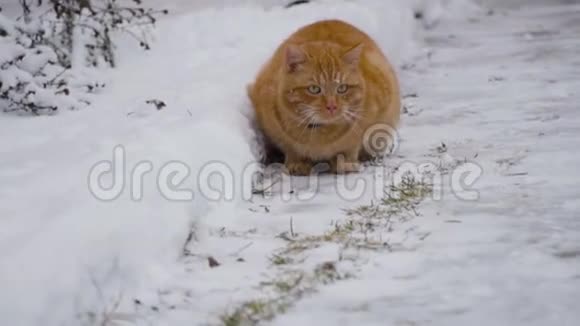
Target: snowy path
x: 503, y: 92
x: 500, y: 91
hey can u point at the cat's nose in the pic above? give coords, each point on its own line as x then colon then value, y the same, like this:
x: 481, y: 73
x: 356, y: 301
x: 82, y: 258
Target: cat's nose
x: 331, y: 108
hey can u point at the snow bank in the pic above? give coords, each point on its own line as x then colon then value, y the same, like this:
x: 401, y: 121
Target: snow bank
x: 65, y: 256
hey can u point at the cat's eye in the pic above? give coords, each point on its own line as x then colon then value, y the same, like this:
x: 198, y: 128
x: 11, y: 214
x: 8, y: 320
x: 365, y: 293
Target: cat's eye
x: 314, y: 89
x: 342, y: 89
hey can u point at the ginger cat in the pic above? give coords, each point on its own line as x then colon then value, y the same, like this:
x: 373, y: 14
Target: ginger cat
x: 323, y: 88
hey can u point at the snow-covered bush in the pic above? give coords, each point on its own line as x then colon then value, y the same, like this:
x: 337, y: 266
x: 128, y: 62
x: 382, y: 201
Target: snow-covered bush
x: 43, y: 52
x: 31, y: 78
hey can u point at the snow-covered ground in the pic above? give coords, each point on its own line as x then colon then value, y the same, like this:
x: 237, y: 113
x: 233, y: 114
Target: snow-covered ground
x: 491, y: 92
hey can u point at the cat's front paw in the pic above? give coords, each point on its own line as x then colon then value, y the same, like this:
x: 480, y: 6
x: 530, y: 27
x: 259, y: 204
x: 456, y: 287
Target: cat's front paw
x: 341, y: 167
x: 299, y: 168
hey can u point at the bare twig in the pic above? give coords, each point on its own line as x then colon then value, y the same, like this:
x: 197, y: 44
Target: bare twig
x: 239, y: 251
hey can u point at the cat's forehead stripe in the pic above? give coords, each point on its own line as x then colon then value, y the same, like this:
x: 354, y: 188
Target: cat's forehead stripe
x: 337, y: 77
x: 329, y: 70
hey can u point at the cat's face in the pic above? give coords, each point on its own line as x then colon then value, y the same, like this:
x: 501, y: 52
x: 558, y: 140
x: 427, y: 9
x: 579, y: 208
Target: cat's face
x: 323, y: 84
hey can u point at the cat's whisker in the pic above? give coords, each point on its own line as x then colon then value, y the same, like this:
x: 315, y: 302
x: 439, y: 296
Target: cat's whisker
x: 352, y: 116
x: 305, y: 128
x: 304, y: 119
x: 311, y: 133
x: 309, y: 119
x: 360, y: 112
x: 307, y: 111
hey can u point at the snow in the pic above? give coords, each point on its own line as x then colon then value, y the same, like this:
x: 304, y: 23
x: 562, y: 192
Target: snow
x: 503, y: 263
x: 498, y: 90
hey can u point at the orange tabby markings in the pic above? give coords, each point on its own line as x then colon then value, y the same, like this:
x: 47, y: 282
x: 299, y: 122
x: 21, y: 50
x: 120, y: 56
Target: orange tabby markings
x: 323, y: 88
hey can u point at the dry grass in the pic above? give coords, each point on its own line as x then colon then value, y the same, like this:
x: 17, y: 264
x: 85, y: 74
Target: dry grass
x: 362, y: 229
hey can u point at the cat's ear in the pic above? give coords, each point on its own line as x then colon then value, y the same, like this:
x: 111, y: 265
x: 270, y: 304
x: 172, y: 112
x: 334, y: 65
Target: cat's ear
x: 295, y: 56
x: 352, y: 56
